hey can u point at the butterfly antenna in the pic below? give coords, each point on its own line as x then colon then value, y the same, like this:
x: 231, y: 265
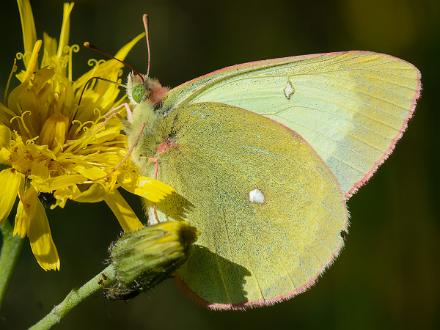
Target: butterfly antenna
x: 110, y: 56
x: 90, y: 80
x: 147, y: 38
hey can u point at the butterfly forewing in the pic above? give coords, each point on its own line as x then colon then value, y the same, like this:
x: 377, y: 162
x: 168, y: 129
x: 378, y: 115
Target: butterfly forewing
x: 351, y: 107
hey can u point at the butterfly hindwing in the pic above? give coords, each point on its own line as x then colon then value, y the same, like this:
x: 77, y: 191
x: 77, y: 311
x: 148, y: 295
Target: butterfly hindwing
x: 253, y: 249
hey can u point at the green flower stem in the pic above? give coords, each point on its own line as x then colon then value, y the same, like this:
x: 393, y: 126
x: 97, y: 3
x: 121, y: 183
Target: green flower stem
x: 10, y: 251
x: 103, y: 279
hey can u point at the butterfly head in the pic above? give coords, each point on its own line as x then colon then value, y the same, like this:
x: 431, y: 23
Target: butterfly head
x: 141, y: 88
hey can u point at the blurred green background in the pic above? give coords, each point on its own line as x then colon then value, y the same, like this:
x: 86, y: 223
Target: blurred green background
x: 387, y: 276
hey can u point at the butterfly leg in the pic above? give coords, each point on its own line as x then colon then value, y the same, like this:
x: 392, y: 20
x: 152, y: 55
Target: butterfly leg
x: 114, y: 111
x: 153, y: 213
x: 154, y: 160
x: 162, y: 148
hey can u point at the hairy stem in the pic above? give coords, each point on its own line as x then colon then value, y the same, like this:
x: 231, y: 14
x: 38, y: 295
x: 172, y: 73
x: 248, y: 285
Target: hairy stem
x: 76, y: 296
x: 10, y: 251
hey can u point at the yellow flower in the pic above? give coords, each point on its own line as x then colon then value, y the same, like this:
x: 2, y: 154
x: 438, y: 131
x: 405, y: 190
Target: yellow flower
x: 52, y: 144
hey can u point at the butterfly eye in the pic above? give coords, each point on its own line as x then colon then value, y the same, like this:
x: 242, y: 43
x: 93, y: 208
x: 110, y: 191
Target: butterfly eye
x: 138, y: 93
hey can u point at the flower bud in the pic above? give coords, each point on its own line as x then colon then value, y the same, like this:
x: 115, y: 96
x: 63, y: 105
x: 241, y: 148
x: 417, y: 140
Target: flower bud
x: 144, y: 258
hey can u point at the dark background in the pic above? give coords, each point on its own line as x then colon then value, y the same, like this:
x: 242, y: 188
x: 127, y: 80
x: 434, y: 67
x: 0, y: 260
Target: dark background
x: 387, y: 276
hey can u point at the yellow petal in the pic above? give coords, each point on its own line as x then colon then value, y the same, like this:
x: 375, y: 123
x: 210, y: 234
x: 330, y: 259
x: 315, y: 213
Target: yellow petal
x: 22, y: 220
x: 6, y: 114
x: 58, y: 182
x: 50, y: 49
x: 4, y: 156
x: 65, y: 29
x: 40, y: 169
x: 94, y: 194
x: 123, y: 212
x: 25, y: 211
x: 28, y: 28
x: 148, y: 188
x: 31, y: 220
x: 54, y: 130
x: 5, y: 136
x: 123, y: 52
x: 10, y: 181
x: 62, y: 195
x: 40, y: 237
x: 92, y: 172
x: 32, y: 64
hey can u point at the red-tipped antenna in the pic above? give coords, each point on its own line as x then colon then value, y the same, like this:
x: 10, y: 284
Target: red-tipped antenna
x: 147, y: 38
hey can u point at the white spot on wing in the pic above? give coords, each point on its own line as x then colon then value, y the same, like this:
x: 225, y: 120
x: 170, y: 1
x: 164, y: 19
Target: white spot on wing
x: 288, y: 90
x: 256, y: 196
